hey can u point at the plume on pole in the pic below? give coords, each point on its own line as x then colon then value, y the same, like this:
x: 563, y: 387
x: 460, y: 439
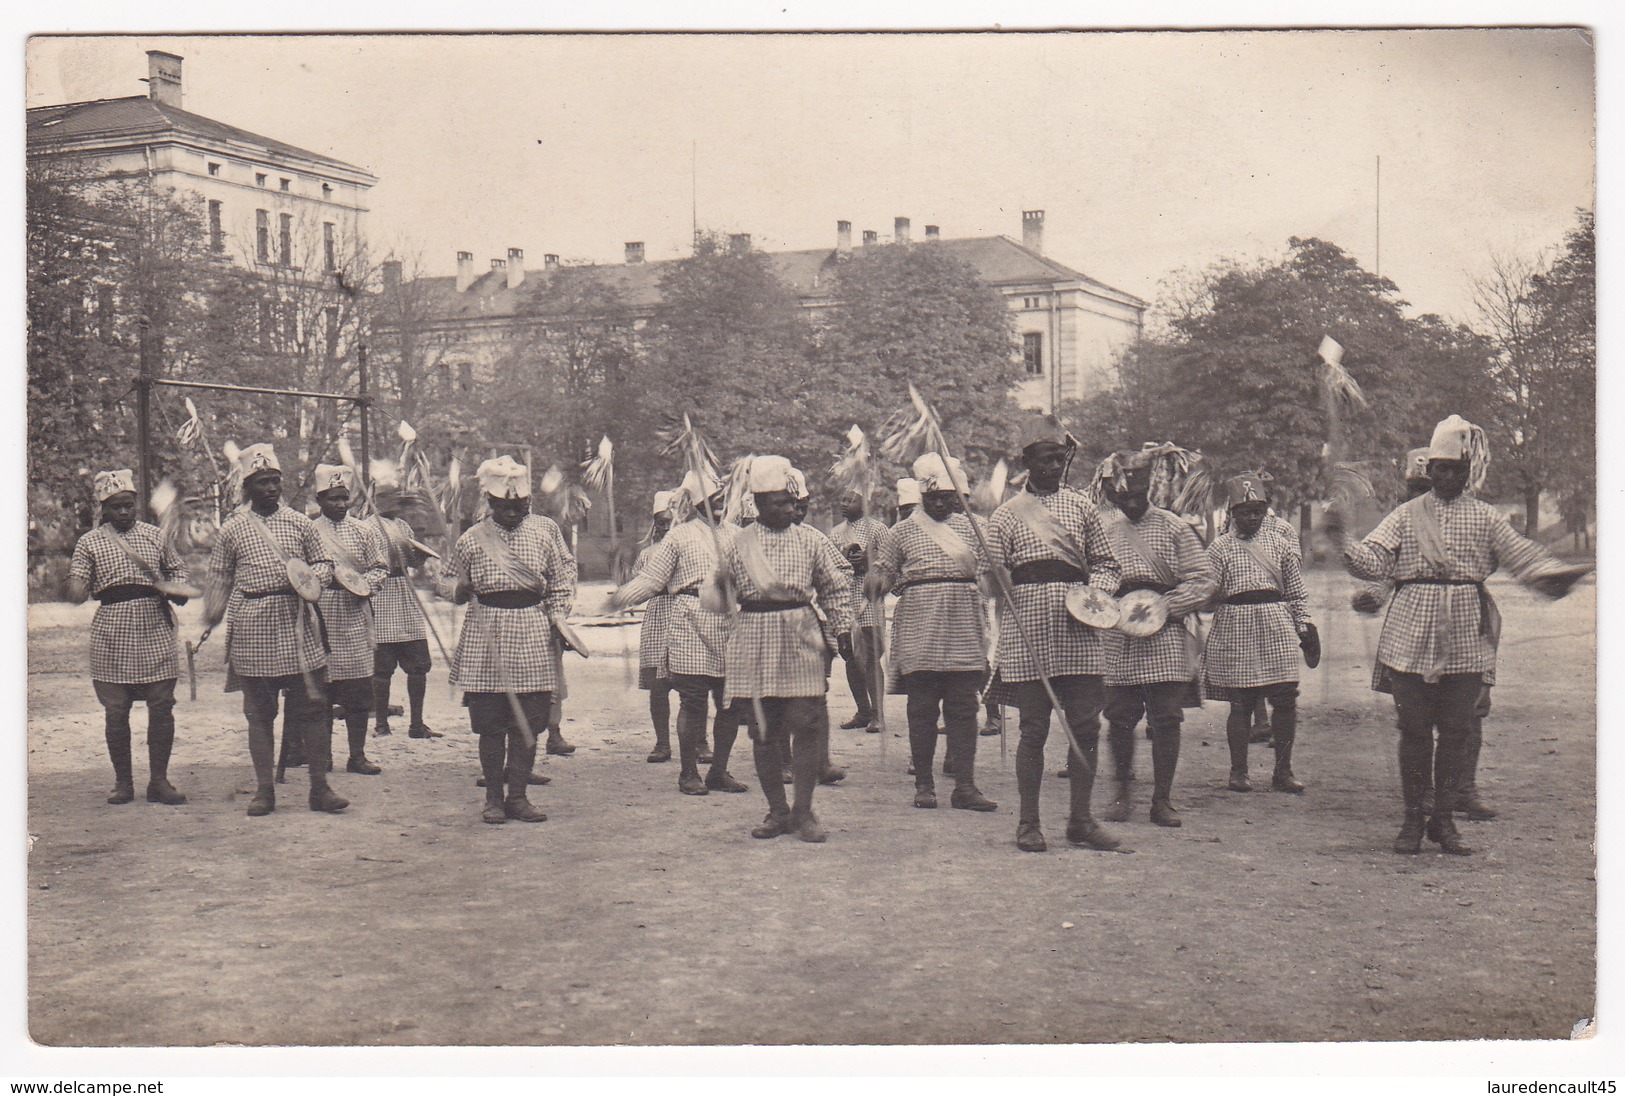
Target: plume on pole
x: 909, y: 431
x: 854, y: 470
x: 597, y: 472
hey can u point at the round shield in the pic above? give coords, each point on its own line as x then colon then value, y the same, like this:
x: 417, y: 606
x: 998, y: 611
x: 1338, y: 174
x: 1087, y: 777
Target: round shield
x: 424, y: 548
x: 171, y: 588
x: 351, y: 579
x: 1144, y: 612
x: 571, y: 641
x: 304, y: 580
x: 1091, y: 606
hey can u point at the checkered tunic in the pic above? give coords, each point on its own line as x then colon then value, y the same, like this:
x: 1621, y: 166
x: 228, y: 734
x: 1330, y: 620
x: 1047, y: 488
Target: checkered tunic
x: 656, y: 620
x: 133, y: 642
x: 396, y: 617
x: 938, y: 625
x: 1170, y: 654
x: 1277, y: 526
x: 782, y: 654
x: 696, y: 641
x: 522, y: 639
x: 1251, y: 645
x: 1068, y: 646
x: 1480, y: 540
x: 269, y: 636
x: 349, y: 618
x: 865, y: 532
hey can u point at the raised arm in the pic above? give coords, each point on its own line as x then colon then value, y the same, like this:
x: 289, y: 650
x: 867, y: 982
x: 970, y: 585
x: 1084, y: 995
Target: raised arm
x: 1373, y: 558
x: 653, y: 579
x: 1197, y: 580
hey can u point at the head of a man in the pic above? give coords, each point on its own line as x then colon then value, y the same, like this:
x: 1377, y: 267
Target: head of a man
x: 1448, y: 478
x: 1134, y: 496
x: 334, y: 503
x: 851, y: 505
x: 905, y: 509
x: 661, y: 524
x: 939, y: 505
x: 263, y: 490
x: 1248, y: 517
x: 1045, y: 462
x: 508, y: 512
x: 119, y: 511
x: 777, y: 509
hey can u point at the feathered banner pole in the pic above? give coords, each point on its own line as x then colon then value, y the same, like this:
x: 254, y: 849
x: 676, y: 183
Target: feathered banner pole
x: 599, y: 475
x: 854, y: 471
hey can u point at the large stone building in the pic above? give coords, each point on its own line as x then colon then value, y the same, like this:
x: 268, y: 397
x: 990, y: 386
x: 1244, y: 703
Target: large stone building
x: 1070, y: 327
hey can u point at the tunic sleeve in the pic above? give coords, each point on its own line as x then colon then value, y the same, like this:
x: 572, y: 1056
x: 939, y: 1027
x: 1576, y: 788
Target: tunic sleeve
x: 1519, y: 555
x: 170, y: 563
x: 653, y: 578
x: 888, y: 562
x: 316, y: 554
x: 1193, y: 569
x: 373, y: 558
x: 455, y: 572
x: 561, y: 589
x: 83, y: 566
x: 1104, y: 572
x: 1297, y: 594
x: 1373, y: 558
x: 832, y: 578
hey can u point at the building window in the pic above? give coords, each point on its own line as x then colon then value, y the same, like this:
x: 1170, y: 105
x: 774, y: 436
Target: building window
x: 262, y: 235
x: 465, y: 375
x: 217, y: 235
x: 285, y: 237
x: 214, y: 169
x: 285, y: 185
x: 330, y: 247
x: 327, y: 193
x: 259, y: 178
x: 1032, y: 353
x: 1032, y: 302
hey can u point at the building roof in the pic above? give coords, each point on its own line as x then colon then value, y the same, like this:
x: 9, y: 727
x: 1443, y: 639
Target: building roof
x: 999, y: 260
x: 143, y: 116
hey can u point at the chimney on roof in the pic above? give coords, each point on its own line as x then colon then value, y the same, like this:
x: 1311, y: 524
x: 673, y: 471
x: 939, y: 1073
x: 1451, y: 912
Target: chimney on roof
x: 739, y: 241
x: 843, y: 236
x: 392, y: 274
x: 465, y: 270
x: 499, y: 264
x: 933, y: 232
x: 870, y: 237
x: 899, y: 230
x: 164, y: 77
x: 550, y: 262
x: 634, y: 252
x: 1032, y: 230
x: 516, y: 268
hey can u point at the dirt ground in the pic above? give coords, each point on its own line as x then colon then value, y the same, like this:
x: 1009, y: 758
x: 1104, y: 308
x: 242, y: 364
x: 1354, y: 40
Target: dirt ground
x: 635, y: 915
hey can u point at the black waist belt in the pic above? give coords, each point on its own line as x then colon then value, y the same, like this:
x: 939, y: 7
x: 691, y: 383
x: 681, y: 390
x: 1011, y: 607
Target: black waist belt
x: 397, y: 574
x: 771, y: 606
x: 127, y: 591
x: 1253, y: 597
x: 901, y: 586
x: 1134, y: 584
x: 255, y: 596
x: 687, y: 591
x: 1437, y: 582
x: 510, y: 599
x: 1046, y: 570
x: 1485, y: 603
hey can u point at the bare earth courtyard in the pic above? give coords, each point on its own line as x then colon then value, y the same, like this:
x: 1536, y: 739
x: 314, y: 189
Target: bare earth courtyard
x: 635, y: 915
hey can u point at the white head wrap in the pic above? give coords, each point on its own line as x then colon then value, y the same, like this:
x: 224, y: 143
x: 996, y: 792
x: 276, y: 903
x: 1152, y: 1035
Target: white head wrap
x: 662, y: 502
x: 932, y: 475
x: 113, y: 483
x: 771, y: 474
x: 908, y: 492
x: 504, y: 478
x: 258, y: 458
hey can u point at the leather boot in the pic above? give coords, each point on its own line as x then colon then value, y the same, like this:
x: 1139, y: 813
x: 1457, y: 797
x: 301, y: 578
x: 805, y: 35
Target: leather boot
x: 1164, y: 760
x: 1409, y: 839
x: 767, y: 758
x: 318, y: 735
x: 556, y: 744
x: 1285, y: 722
x: 517, y: 804
x: 1236, y: 731
x: 1417, y: 795
x: 160, y: 743
x: 117, y: 735
x: 494, y: 767
x: 1082, y: 829
x: 1120, y: 740
x: 1441, y: 829
x: 262, y: 749
x: 355, y: 729
x: 962, y: 747
x: 1029, y: 838
x: 689, y: 781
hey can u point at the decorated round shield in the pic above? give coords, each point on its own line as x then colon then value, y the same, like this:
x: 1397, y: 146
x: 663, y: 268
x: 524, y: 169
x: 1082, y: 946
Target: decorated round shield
x: 171, y: 588
x: 567, y: 634
x: 351, y: 579
x: 1144, y: 612
x: 304, y: 580
x: 424, y: 548
x: 1091, y: 606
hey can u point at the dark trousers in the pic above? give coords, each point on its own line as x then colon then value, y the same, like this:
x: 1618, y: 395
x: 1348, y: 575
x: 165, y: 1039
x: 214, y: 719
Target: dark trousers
x: 1283, y: 703
x: 660, y: 712
x: 1159, y: 703
x: 1082, y: 696
x: 801, y: 725
x: 117, y: 700
x: 1448, y: 705
x: 506, y: 758
x: 308, y: 721
x: 954, y: 693
x: 863, y: 671
x: 412, y: 656
x: 693, y: 692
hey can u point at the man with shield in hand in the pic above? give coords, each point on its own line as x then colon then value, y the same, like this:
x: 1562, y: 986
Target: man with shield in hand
x: 273, y: 558
x: 1049, y: 537
x: 856, y: 536
x: 359, y: 572
x: 1150, y: 672
x: 400, y: 631
x: 521, y: 577
x: 134, y: 576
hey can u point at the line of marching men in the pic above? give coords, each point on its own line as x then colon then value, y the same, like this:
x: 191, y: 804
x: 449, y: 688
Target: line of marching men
x: 748, y: 617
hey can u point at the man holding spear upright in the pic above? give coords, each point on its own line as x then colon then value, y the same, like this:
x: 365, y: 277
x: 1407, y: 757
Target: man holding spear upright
x: 515, y: 567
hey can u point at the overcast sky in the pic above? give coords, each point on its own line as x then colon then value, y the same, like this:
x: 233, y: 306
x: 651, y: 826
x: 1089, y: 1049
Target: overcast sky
x: 1148, y: 151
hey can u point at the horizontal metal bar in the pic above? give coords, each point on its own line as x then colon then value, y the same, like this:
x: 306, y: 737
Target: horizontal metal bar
x: 261, y: 391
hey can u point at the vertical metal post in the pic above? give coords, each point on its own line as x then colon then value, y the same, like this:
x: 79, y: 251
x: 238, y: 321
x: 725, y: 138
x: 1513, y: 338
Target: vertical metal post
x: 365, y: 404
x: 143, y: 416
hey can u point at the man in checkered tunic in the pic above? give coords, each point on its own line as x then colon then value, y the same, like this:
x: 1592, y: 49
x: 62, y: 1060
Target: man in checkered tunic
x: 1254, y: 646
x: 400, y: 634
x: 354, y: 546
x: 1440, y: 636
x: 515, y: 567
x: 933, y: 561
x: 856, y: 536
x: 274, y: 644
x: 1049, y: 538
x: 1153, y: 675
x: 776, y: 651
x: 696, y: 641
x: 132, y: 635
x: 1274, y: 526
x: 654, y: 676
